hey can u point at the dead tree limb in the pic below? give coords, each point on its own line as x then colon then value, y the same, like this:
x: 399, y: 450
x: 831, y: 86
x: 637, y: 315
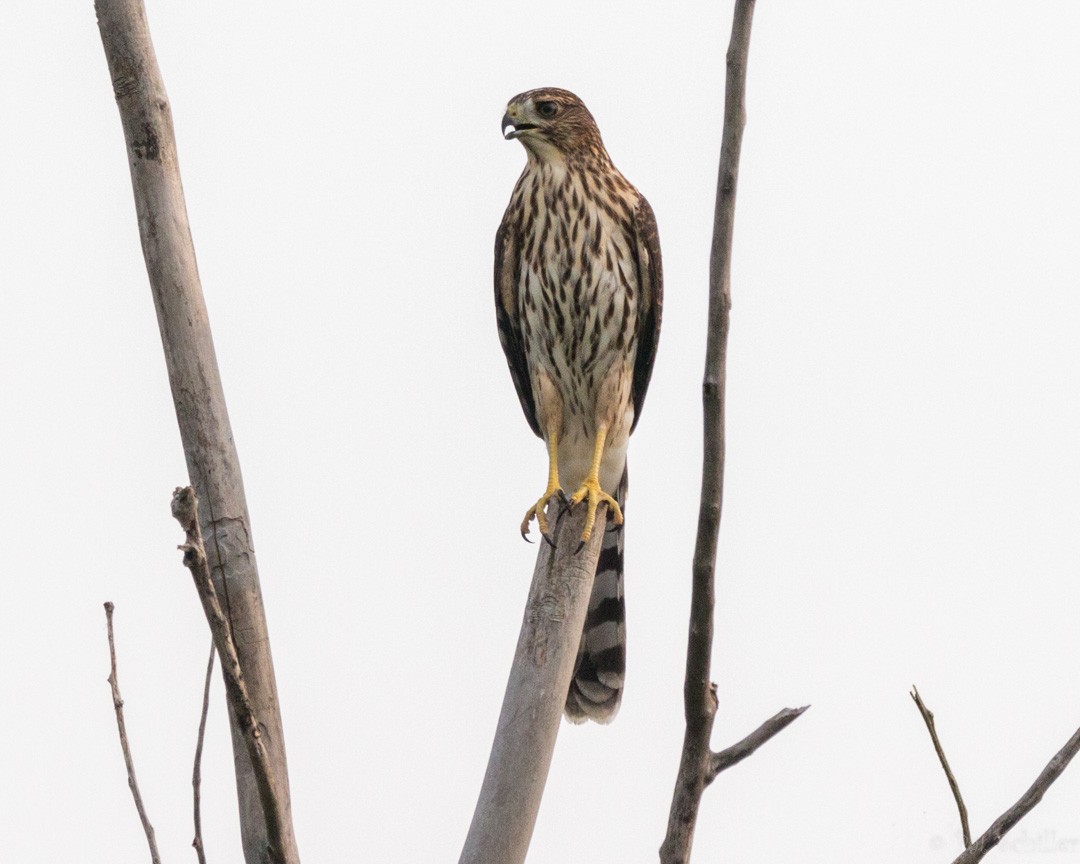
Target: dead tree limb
x: 974, y: 852
x: 928, y: 719
x: 186, y: 510
x: 738, y: 751
x: 1005, y: 822
x: 699, y: 765
x: 196, y: 771
x: 125, y: 746
x: 532, y: 708
x: 213, y: 466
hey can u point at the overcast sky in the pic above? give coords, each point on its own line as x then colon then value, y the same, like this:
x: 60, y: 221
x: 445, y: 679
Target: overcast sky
x: 903, y: 481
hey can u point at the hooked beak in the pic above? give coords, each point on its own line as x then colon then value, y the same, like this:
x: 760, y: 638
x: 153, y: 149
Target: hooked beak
x: 512, y: 129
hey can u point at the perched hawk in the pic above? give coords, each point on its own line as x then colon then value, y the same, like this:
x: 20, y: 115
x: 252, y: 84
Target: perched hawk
x: 577, y: 293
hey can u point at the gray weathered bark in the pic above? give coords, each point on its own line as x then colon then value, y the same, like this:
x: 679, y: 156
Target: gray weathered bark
x: 213, y: 466
x: 532, y: 708
x: 185, y: 509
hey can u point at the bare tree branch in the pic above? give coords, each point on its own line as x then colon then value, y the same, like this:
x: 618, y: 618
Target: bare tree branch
x: 213, y: 465
x: 974, y: 852
x: 699, y: 697
x: 698, y: 765
x: 737, y: 752
x: 532, y: 708
x: 928, y: 718
x: 118, y: 706
x: 185, y: 509
x: 196, y: 772
x: 1001, y: 826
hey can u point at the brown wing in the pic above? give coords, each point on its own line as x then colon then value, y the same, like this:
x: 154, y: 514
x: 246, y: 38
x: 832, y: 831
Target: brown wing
x: 651, y: 293
x: 507, y: 274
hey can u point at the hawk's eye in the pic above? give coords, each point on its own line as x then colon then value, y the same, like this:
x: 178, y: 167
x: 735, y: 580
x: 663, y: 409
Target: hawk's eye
x: 547, y: 109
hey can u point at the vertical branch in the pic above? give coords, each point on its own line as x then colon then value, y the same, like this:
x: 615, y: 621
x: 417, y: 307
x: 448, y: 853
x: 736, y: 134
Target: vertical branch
x: 532, y: 708
x: 700, y: 701
x: 196, y: 771
x: 118, y: 706
x: 699, y: 694
x: 213, y: 465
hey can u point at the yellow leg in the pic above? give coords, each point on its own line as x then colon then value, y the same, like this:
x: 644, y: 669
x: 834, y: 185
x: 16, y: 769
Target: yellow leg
x: 553, y: 488
x: 590, y: 488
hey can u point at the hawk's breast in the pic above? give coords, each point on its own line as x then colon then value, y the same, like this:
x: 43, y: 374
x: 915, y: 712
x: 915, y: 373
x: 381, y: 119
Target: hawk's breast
x: 578, y: 281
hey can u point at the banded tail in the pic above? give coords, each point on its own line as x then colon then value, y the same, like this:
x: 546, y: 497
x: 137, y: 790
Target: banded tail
x: 596, y: 689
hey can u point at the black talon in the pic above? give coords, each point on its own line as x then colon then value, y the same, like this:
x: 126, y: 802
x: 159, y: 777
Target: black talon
x: 548, y: 540
x: 525, y: 537
x: 580, y: 546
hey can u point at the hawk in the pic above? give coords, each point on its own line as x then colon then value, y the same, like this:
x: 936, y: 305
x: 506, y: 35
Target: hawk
x: 578, y: 290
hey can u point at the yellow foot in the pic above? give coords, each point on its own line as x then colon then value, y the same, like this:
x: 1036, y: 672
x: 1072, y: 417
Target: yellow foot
x: 596, y: 496
x: 537, y: 510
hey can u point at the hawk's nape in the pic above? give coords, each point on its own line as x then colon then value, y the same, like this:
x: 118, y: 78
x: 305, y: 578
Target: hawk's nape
x: 578, y: 289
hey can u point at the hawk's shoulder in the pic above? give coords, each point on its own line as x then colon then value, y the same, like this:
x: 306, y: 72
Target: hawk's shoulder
x: 651, y: 282
x: 507, y: 280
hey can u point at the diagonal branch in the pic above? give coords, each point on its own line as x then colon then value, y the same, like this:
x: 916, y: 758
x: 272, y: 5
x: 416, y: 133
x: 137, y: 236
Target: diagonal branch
x: 1001, y: 826
x: 118, y: 706
x: 737, y: 752
x: 928, y: 718
x: 186, y: 510
x: 698, y: 765
x: 196, y: 772
x: 532, y: 708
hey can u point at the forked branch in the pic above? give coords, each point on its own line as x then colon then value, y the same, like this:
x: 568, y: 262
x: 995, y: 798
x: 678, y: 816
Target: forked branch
x: 698, y: 765
x: 1004, y: 823
x: 974, y: 852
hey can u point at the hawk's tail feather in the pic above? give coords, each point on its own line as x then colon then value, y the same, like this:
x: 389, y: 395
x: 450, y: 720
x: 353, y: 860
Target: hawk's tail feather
x: 596, y: 689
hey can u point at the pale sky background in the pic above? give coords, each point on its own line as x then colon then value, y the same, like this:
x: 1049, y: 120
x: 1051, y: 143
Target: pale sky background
x: 903, y: 487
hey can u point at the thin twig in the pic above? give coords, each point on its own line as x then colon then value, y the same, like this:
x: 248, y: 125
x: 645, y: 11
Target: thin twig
x: 737, y: 752
x: 928, y: 718
x: 196, y: 773
x: 992, y: 836
x: 118, y: 705
x: 186, y: 511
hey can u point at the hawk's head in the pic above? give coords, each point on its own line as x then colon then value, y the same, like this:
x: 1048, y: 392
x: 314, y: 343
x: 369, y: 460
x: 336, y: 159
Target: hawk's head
x: 552, y: 124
